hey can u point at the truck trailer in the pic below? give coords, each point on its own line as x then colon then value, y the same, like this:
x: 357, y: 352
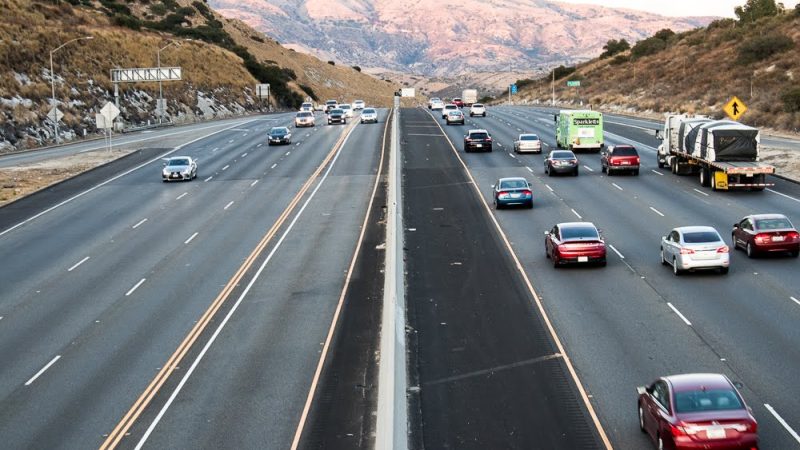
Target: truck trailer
x: 722, y: 153
x: 469, y: 96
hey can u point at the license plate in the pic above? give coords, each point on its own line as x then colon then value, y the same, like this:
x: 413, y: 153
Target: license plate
x: 175, y: 176
x: 479, y: 145
x: 515, y: 195
x: 583, y: 259
x: 777, y: 238
x: 715, y: 433
x: 626, y: 163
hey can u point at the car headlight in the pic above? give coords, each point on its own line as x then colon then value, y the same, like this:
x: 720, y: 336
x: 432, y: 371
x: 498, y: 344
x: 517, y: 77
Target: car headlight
x: 165, y: 171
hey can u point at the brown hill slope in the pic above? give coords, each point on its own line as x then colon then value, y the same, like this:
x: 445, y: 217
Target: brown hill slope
x: 698, y: 71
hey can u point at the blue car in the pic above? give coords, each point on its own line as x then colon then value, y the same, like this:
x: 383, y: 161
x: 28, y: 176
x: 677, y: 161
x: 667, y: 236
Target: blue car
x: 512, y: 192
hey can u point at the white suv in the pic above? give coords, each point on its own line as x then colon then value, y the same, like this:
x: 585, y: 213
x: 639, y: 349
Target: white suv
x: 477, y: 109
x: 359, y: 104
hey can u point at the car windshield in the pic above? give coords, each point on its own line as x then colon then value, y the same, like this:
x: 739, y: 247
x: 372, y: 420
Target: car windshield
x: 304, y: 114
x: 563, y: 155
x: 478, y: 135
x: 455, y: 113
x: 477, y: 105
x: 707, y: 400
x: 529, y: 137
x: 584, y: 232
x: 773, y: 224
x: 179, y: 162
x: 699, y: 237
x: 336, y: 111
x: 344, y: 106
x: 451, y: 107
x: 513, y: 184
x: 278, y: 131
x: 625, y: 151
x: 369, y: 111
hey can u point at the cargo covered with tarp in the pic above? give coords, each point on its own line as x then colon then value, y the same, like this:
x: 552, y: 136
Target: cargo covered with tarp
x: 725, y: 141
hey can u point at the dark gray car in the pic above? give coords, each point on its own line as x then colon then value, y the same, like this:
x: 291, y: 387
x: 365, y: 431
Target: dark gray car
x: 561, y: 161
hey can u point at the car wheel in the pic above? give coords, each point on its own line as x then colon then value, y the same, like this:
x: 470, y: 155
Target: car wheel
x: 530, y: 206
x: 675, y: 269
x: 556, y: 262
x: 750, y: 252
x: 603, y: 169
x: 723, y: 270
x: 608, y: 171
x: 641, y: 419
x: 549, y: 171
x: 603, y: 263
x: 575, y: 174
x: 795, y: 253
x: 663, y: 260
x: 733, y: 241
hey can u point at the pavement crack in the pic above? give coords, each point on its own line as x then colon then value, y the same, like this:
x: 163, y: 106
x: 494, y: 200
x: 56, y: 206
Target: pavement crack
x: 493, y: 370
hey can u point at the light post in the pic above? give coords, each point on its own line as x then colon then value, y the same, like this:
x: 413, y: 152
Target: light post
x: 53, y: 83
x: 160, y: 91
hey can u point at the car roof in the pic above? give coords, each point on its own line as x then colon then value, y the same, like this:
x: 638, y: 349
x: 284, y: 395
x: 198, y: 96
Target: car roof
x: 178, y: 157
x: 344, y: 105
x: 695, y: 381
x: 766, y: 216
x: 575, y: 225
x: 451, y: 104
x: 624, y: 146
x: 513, y: 179
x: 529, y: 134
x: 477, y: 130
x: 695, y: 229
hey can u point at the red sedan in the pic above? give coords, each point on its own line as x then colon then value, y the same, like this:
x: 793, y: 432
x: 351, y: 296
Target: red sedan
x: 575, y: 242
x: 766, y: 233
x: 696, y: 411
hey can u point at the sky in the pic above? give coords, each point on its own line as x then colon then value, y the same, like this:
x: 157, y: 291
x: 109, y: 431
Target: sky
x: 681, y: 8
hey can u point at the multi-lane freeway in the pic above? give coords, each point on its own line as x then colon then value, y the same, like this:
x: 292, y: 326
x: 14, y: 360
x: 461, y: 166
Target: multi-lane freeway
x: 241, y: 310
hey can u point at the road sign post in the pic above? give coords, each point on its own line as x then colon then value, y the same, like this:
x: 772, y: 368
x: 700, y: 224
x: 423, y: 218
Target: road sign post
x: 262, y: 92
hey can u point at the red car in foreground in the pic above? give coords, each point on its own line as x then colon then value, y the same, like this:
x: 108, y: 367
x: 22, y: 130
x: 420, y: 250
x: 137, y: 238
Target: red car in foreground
x: 696, y: 411
x: 766, y: 233
x: 575, y: 242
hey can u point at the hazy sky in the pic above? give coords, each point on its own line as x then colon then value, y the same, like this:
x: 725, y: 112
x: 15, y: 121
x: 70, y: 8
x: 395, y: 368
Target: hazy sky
x: 722, y: 8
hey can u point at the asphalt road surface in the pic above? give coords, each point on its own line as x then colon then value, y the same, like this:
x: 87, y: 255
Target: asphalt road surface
x: 632, y: 321
x: 98, y: 294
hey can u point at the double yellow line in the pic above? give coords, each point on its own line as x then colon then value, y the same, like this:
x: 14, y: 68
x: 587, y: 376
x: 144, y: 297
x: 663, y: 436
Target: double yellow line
x: 174, y: 361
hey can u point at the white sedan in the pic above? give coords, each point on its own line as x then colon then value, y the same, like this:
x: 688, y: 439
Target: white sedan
x: 348, y: 110
x: 695, y: 248
x: 178, y: 168
x: 528, y: 142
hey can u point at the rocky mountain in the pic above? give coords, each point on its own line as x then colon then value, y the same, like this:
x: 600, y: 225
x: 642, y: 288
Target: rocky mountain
x: 447, y: 36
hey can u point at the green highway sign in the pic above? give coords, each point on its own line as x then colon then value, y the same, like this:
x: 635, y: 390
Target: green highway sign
x: 575, y: 83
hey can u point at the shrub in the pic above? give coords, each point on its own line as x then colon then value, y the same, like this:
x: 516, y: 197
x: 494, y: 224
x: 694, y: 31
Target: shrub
x: 524, y: 82
x: 613, y: 47
x: 649, y: 46
x: 619, y: 59
x: 158, y: 9
x: 357, y: 69
x: 721, y: 23
x: 791, y: 100
x: 257, y: 38
x: 127, y: 21
x: 486, y: 99
x: 562, y: 71
x: 186, y: 11
x: 664, y: 34
x: 309, y: 92
x: 762, y: 47
x: 203, y: 8
x: 115, y: 8
x: 756, y: 9
x: 331, y: 63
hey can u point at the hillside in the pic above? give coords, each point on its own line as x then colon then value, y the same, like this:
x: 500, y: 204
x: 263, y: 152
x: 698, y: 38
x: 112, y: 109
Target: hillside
x: 447, y: 36
x: 696, y: 71
x: 222, y: 61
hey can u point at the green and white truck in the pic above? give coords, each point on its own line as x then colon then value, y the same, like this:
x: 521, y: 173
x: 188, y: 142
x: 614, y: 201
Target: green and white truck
x: 579, y: 130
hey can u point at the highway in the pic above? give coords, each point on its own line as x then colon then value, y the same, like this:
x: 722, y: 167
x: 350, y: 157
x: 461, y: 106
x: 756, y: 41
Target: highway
x: 242, y: 309
x: 628, y: 323
x: 99, y: 296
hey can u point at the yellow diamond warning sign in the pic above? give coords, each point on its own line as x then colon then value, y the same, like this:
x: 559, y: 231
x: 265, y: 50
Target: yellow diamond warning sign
x: 734, y: 108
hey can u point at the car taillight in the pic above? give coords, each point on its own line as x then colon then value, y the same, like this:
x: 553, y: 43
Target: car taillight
x: 637, y: 160
x: 489, y: 139
x: 746, y: 427
x: 573, y: 161
x: 792, y: 235
x: 762, y: 238
x: 527, y: 193
x: 677, y: 430
x: 687, y: 251
x: 723, y: 249
x: 615, y: 162
x: 502, y: 194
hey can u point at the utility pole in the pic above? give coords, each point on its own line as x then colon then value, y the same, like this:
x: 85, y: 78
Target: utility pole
x: 554, y: 87
x: 53, y: 84
x: 160, y: 90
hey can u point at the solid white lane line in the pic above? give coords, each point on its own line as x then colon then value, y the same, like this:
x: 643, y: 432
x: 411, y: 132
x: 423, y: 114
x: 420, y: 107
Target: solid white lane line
x: 679, y: 314
x: 616, y: 251
x: 230, y: 142
x: 576, y: 213
x: 296, y: 144
x: 215, y: 149
x: 795, y: 300
x: 700, y: 192
x: 259, y: 145
x: 511, y: 155
x: 39, y: 373
x: 140, y: 223
x: 253, y: 183
x: 244, y: 154
x: 135, y: 287
x: 617, y: 186
x: 78, y: 264
x: 657, y: 211
x: 226, y: 167
x: 209, y: 178
x: 228, y: 205
x: 191, y: 238
x: 181, y: 196
x: 529, y: 169
x: 588, y: 168
x: 782, y: 422
x: 656, y: 172
x: 274, y: 166
x: 783, y: 195
x: 287, y: 153
x: 548, y: 187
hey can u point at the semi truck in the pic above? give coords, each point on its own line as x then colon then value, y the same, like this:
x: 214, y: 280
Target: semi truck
x: 579, y: 130
x: 722, y: 153
x: 469, y: 96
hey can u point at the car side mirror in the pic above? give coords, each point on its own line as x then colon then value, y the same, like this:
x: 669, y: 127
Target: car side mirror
x: 663, y: 238
x: 735, y: 226
x: 547, y: 233
x: 530, y: 186
x: 493, y: 186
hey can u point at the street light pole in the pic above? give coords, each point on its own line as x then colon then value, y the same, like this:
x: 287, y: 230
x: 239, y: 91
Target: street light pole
x: 53, y: 84
x: 160, y: 90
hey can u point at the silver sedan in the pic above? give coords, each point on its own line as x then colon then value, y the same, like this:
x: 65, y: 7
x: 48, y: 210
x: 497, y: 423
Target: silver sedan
x: 178, y: 168
x: 695, y: 248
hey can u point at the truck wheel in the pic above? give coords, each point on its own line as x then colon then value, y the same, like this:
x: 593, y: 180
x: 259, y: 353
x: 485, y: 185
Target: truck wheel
x: 673, y: 165
x: 660, y: 163
x: 713, y: 181
x: 704, y: 178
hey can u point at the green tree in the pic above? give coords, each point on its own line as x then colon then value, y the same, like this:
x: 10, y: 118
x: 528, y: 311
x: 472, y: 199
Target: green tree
x: 756, y: 9
x: 614, y: 46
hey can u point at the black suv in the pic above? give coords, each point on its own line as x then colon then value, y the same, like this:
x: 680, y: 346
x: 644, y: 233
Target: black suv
x: 336, y: 116
x: 477, y: 140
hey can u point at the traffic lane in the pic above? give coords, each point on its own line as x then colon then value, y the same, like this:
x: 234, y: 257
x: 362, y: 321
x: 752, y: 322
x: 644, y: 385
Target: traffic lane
x: 250, y: 387
x: 481, y: 349
x: 570, y: 214
x: 171, y: 136
x: 172, y: 288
